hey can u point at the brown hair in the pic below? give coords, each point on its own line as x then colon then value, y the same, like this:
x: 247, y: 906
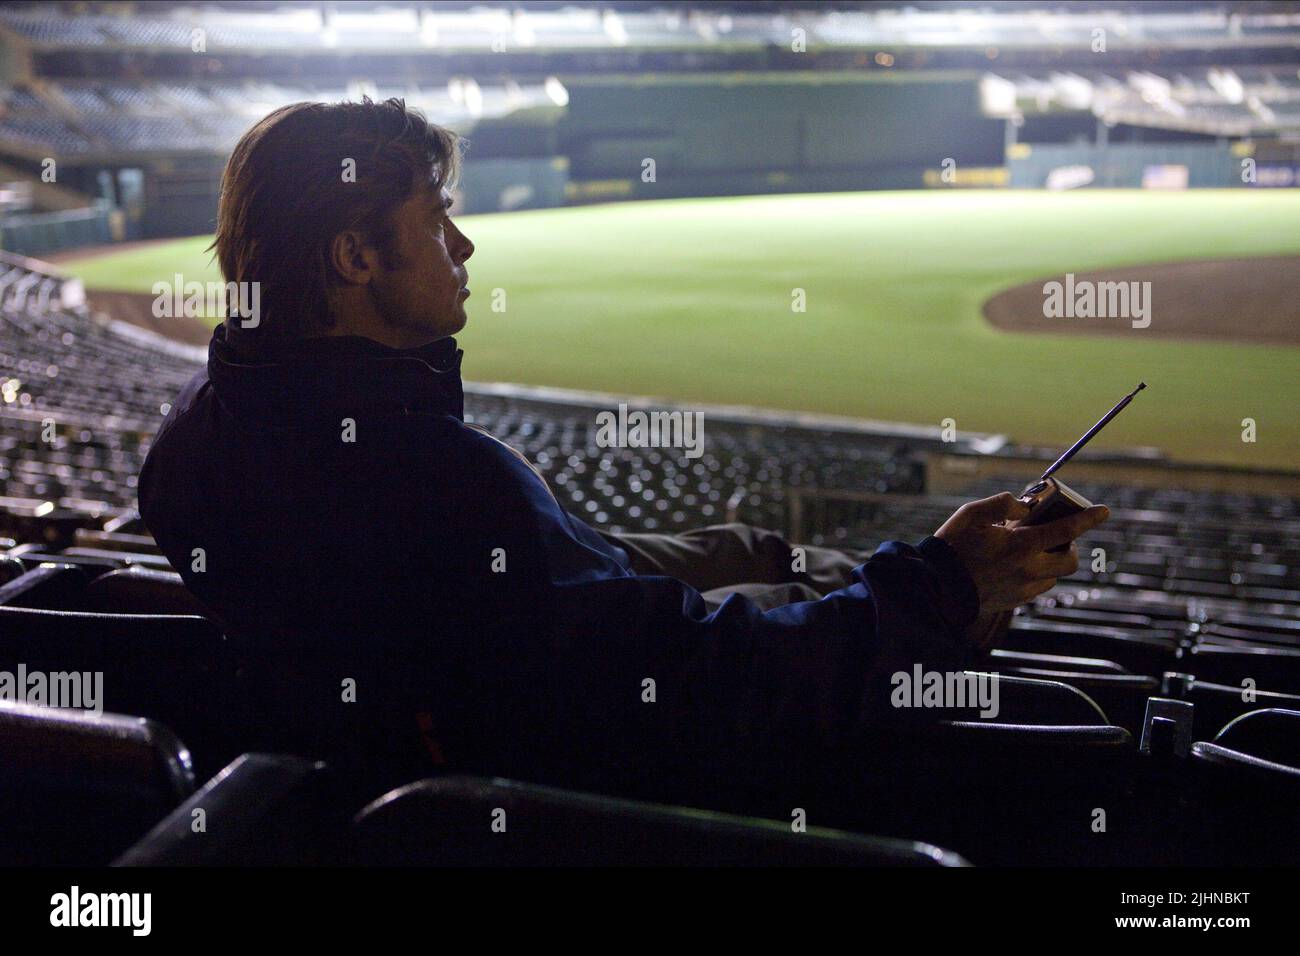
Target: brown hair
x: 286, y: 194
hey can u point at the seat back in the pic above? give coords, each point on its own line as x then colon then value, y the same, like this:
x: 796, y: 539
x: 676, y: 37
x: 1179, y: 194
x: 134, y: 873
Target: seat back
x: 1035, y: 701
x: 262, y: 809
x: 1273, y: 667
x: 56, y: 587
x: 153, y: 665
x: 115, y: 541
x: 140, y: 590
x: 477, y: 821
x: 1140, y: 651
x: 10, y: 568
x: 1246, y: 783
x: 76, y: 788
x: 1217, y: 704
x: 1270, y: 734
x: 1120, y: 695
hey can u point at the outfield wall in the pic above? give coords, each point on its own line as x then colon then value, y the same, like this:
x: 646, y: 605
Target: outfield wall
x: 710, y: 137
x: 34, y: 234
x: 1124, y: 165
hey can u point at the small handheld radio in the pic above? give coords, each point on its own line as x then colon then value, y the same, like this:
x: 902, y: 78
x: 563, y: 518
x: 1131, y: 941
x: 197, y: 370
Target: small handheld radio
x: 1050, y: 498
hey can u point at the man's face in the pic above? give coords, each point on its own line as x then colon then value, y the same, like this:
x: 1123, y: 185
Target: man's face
x: 421, y: 291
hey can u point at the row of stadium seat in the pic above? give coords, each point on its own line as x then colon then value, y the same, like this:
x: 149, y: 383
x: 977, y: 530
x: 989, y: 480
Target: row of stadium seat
x: 93, y: 790
x: 1031, y: 787
x: 98, y: 605
x: 80, y: 118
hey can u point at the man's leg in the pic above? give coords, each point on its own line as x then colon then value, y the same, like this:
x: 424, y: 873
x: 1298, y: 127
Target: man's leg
x: 727, y: 555
x: 765, y: 596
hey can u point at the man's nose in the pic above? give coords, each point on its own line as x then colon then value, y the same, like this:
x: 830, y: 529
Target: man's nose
x: 465, y: 248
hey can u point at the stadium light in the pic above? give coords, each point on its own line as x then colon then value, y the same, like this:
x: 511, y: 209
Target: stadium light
x: 1156, y: 91
x: 612, y: 24
x: 428, y: 29
x: 1227, y: 84
x: 473, y: 98
x: 1073, y: 91
x: 523, y: 32
x: 556, y: 91
x: 1257, y: 106
x: 997, y: 96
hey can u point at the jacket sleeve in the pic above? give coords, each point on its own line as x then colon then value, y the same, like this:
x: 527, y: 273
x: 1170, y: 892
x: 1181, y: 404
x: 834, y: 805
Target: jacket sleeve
x: 630, y: 675
x: 670, y: 684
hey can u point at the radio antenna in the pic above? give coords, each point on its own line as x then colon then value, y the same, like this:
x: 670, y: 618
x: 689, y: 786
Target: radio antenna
x: 1073, y: 449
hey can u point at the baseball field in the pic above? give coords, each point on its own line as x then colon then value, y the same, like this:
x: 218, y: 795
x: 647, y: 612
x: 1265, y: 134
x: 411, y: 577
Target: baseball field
x: 900, y: 306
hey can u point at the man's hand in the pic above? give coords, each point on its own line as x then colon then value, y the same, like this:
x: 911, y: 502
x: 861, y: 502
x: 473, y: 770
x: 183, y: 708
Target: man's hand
x: 1011, y: 566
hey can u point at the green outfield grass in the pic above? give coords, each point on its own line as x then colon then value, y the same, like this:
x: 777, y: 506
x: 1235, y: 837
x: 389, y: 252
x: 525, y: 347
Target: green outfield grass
x: 691, y: 300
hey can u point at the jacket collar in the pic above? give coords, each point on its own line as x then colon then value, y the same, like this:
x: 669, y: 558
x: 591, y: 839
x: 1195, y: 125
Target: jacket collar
x: 337, y: 374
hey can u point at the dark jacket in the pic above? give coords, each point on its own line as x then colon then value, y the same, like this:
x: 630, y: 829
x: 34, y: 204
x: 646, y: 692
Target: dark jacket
x: 378, y: 561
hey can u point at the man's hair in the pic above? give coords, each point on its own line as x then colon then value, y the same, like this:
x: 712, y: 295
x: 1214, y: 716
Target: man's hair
x: 302, y: 175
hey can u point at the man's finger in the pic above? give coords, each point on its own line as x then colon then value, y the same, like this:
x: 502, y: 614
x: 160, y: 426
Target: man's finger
x: 1063, y: 530
x: 999, y: 507
x: 1045, y: 564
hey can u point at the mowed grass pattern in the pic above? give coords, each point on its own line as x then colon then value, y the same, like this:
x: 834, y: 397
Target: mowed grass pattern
x: 691, y: 300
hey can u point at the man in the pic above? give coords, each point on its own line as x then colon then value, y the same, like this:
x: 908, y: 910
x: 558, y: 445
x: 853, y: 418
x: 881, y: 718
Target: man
x: 405, y: 591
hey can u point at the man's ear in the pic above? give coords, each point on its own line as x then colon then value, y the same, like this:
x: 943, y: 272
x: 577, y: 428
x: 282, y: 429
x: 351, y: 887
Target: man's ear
x: 352, y: 258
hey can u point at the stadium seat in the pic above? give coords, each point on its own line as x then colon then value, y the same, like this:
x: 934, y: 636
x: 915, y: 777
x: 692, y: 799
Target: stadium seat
x: 261, y: 810
x: 128, y: 522
x: 10, y: 568
x: 77, y: 789
x: 1217, y: 704
x: 124, y: 559
x: 1166, y: 728
x: 1039, y: 766
x: 115, y: 541
x: 1030, y: 701
x: 34, y: 557
x: 1031, y: 714
x: 1271, y: 733
x: 1004, y: 660
x: 56, y: 587
x: 1121, y: 695
x: 1246, y: 789
x: 1140, y: 651
x: 1275, y: 668
x: 140, y: 590
x: 156, y: 666
x: 476, y: 821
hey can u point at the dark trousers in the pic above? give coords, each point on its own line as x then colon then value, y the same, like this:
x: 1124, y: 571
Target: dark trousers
x: 725, y: 559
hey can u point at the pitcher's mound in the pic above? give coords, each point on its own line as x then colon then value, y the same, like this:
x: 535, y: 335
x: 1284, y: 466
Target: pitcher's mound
x: 1238, y: 300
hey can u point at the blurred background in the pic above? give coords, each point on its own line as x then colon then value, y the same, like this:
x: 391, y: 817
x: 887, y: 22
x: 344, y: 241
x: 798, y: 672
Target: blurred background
x: 831, y: 222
